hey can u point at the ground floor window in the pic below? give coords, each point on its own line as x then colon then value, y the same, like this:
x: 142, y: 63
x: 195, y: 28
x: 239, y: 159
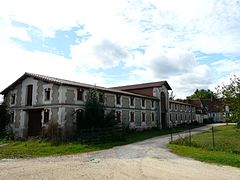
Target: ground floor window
x: 131, y: 116
x: 46, y: 116
x: 153, y: 116
x: 143, y: 117
x: 118, y: 116
x: 12, y: 115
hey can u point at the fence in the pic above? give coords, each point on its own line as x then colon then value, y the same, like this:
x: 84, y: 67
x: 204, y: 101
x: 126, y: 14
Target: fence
x: 101, y: 135
x: 211, y: 139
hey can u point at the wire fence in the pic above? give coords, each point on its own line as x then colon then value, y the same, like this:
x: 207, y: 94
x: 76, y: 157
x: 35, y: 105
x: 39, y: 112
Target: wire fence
x: 211, y: 139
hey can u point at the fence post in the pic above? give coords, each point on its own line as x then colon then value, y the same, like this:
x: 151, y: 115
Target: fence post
x: 190, y: 137
x: 213, y: 138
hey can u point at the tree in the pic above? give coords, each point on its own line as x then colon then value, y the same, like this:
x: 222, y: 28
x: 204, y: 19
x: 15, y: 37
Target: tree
x: 4, y: 119
x: 94, y: 115
x: 202, y: 94
x: 231, y: 98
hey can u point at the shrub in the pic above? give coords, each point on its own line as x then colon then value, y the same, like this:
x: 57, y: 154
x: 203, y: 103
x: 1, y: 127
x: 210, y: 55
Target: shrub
x: 54, y: 132
x: 4, y: 120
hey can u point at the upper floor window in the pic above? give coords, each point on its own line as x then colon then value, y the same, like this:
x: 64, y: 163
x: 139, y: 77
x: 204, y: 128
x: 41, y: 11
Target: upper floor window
x: 175, y: 106
x: 131, y: 101
x: 80, y: 94
x: 101, y: 97
x: 46, y: 116
x: 152, y: 104
x: 47, y: 94
x: 143, y: 102
x: 13, y: 98
x: 118, y: 99
x: 29, y: 95
x: 132, y: 116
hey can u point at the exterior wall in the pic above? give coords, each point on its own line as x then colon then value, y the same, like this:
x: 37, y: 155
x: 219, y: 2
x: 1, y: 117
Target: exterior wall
x: 63, y: 104
x: 181, y: 113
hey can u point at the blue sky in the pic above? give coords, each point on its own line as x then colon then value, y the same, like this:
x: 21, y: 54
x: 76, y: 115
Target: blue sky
x: 190, y: 43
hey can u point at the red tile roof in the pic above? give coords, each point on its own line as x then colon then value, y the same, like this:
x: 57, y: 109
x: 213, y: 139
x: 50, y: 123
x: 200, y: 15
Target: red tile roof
x: 143, y: 86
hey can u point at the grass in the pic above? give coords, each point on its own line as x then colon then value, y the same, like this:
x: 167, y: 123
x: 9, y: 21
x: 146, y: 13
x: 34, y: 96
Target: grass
x: 226, y: 151
x: 39, y: 148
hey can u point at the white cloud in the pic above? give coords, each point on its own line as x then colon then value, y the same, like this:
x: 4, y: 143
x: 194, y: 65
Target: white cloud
x: 167, y: 31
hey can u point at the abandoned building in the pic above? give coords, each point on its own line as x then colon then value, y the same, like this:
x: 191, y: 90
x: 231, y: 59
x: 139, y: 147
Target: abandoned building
x: 33, y: 100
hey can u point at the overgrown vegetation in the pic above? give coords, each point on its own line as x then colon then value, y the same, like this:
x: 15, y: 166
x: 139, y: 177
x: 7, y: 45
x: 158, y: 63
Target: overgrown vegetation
x: 202, y: 94
x: 36, y: 148
x: 226, y: 148
x: 94, y: 115
x: 4, y: 120
x: 231, y: 97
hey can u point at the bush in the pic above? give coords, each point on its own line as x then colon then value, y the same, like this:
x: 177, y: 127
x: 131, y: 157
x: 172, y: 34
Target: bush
x: 4, y: 120
x: 54, y: 132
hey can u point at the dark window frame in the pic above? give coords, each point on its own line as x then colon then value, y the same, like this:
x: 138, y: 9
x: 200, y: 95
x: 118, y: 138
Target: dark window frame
x: 47, y: 94
x: 13, y: 98
x: 143, y: 102
x: 46, y: 115
x: 143, y: 117
x: 132, y: 116
x: 153, y: 116
x: 118, y: 99
x: 80, y: 92
x: 131, y: 101
x: 119, y: 116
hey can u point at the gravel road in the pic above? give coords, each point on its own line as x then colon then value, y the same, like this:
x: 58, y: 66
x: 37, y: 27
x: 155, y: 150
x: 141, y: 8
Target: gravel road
x: 149, y: 159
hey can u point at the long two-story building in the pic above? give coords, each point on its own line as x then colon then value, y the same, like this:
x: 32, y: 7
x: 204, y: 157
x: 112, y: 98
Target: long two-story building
x: 33, y: 100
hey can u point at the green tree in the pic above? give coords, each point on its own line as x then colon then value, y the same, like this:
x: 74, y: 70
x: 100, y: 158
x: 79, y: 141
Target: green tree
x: 4, y: 119
x: 231, y: 97
x: 202, y: 94
x: 94, y: 115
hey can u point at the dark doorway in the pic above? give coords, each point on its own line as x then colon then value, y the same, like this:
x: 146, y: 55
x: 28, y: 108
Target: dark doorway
x: 163, y: 111
x: 80, y: 119
x: 34, y: 122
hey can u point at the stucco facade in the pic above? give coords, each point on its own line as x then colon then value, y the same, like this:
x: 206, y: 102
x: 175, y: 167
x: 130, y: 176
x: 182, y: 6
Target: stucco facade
x: 33, y: 100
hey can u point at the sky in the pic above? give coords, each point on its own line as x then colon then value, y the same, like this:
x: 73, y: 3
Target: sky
x: 192, y: 44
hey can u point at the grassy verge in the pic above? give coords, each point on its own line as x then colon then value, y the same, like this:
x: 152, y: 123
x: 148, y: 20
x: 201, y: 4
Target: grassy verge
x: 38, y: 148
x: 226, y: 151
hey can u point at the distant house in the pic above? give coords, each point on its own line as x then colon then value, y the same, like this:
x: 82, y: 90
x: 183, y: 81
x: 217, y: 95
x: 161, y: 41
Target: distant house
x: 215, y: 109
x: 33, y: 100
x: 209, y: 110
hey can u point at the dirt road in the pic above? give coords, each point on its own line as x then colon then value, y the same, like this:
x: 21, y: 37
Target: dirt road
x: 148, y: 159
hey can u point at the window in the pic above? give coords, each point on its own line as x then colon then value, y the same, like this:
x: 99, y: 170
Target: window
x: 118, y: 116
x: 131, y: 101
x: 181, y: 116
x: 152, y: 104
x: 29, y: 95
x: 13, y: 98
x: 153, y: 116
x: 176, y: 117
x: 132, y: 116
x: 101, y: 98
x: 80, y: 94
x: 12, y: 117
x: 46, y: 116
x: 118, y: 99
x: 143, y: 102
x: 175, y: 106
x: 47, y: 94
x: 170, y: 117
x: 143, y: 117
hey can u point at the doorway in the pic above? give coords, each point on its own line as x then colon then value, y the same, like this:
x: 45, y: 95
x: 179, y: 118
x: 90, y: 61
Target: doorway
x: 34, y: 122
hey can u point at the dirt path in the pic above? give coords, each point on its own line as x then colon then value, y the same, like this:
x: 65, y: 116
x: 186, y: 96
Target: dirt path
x: 148, y: 159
